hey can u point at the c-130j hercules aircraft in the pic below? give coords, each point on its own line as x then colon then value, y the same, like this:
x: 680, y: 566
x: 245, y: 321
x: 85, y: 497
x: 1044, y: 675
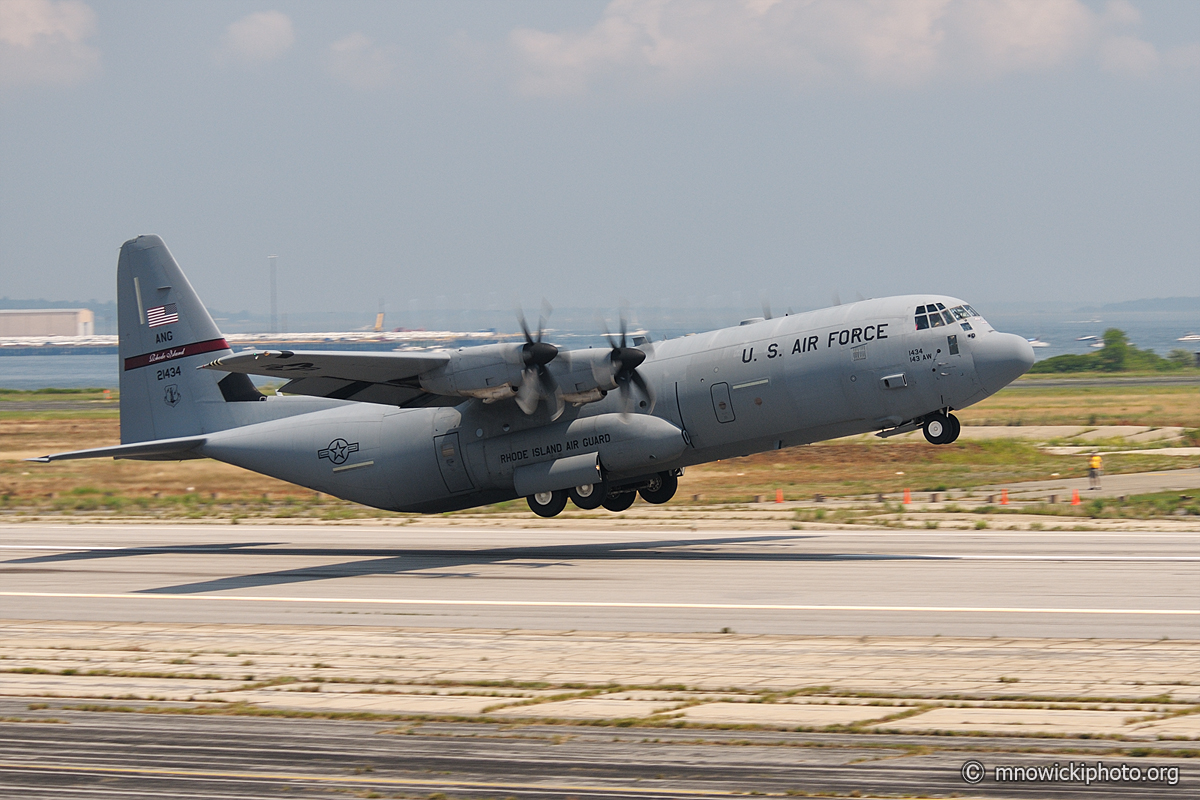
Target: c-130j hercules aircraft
x: 451, y: 429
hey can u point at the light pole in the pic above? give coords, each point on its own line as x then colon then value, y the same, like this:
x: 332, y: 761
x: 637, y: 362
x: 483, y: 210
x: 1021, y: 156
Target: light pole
x: 274, y: 308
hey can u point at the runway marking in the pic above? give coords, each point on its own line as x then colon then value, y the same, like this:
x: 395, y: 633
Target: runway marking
x: 269, y: 776
x: 398, y: 601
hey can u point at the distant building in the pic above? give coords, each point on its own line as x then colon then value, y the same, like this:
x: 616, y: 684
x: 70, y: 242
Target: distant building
x: 47, y: 322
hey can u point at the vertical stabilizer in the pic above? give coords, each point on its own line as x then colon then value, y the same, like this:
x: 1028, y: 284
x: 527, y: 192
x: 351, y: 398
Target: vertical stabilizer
x: 165, y: 333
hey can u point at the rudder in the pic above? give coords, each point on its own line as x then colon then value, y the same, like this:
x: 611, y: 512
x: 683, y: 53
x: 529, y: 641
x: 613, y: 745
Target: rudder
x: 165, y: 334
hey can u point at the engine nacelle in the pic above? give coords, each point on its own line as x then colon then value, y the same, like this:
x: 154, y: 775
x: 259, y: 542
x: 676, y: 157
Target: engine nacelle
x: 584, y: 376
x: 490, y: 372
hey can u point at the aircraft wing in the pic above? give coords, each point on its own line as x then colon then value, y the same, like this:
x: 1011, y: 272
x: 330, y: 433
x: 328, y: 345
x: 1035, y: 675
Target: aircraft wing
x: 385, y: 378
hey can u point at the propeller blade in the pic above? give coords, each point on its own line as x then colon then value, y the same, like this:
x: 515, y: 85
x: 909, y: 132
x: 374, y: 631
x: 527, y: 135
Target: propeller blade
x: 524, y: 324
x: 607, y: 336
x: 548, y: 388
x: 626, y: 397
x: 646, y: 390
x: 766, y: 309
x: 547, y: 310
x: 527, y: 393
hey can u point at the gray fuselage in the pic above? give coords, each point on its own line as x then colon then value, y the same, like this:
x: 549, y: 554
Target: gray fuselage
x: 765, y: 385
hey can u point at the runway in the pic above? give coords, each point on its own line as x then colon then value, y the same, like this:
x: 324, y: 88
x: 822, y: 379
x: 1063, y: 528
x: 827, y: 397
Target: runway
x: 236, y: 758
x: 829, y: 582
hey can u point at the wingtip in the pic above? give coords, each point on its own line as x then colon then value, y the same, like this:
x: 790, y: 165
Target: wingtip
x: 39, y: 459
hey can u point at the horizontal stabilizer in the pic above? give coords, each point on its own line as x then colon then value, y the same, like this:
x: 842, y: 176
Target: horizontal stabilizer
x: 157, y: 450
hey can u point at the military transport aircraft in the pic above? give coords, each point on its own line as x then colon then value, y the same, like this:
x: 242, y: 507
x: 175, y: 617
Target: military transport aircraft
x: 450, y: 429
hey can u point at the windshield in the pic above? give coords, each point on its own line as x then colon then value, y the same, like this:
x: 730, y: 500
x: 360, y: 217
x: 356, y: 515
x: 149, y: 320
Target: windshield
x: 935, y: 315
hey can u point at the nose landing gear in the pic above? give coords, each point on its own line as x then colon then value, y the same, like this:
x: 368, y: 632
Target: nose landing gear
x: 941, y: 428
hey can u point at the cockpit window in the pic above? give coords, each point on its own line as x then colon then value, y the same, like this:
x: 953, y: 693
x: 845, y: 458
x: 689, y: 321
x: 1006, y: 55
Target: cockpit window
x: 935, y: 315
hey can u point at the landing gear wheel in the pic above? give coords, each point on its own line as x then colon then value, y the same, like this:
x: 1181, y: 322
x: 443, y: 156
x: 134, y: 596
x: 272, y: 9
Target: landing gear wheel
x: 957, y: 427
x: 619, y: 502
x: 661, y: 489
x: 588, y: 496
x: 548, y: 504
x: 941, y: 429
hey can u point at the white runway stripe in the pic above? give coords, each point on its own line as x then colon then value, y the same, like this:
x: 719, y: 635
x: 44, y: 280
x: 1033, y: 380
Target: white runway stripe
x: 601, y: 604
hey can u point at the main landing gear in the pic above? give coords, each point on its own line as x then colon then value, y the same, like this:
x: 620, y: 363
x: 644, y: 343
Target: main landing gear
x: 942, y: 428
x: 548, y: 504
x: 657, y: 489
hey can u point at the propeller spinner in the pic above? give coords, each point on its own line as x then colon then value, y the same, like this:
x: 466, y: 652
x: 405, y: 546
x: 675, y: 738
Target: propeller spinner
x: 625, y: 360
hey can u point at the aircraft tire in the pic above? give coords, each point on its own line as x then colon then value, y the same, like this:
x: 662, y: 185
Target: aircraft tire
x: 955, y: 428
x: 661, y: 489
x: 553, y: 506
x: 619, y: 502
x: 596, y: 492
x: 939, y: 429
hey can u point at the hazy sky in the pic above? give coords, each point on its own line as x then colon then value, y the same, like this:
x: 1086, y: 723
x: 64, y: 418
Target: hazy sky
x: 466, y: 153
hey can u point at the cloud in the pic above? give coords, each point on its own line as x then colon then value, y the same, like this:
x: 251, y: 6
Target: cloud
x: 43, y: 42
x: 257, y: 38
x: 656, y: 43
x: 359, y: 62
x: 1128, y: 55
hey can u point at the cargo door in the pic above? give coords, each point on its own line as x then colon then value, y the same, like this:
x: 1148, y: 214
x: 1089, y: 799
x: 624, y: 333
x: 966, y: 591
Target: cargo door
x: 452, y: 463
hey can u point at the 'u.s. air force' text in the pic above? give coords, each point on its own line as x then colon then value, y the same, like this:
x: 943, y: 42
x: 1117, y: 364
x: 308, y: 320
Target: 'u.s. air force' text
x: 806, y: 344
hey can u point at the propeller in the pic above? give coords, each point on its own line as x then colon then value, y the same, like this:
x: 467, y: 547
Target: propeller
x: 625, y: 360
x: 536, y: 380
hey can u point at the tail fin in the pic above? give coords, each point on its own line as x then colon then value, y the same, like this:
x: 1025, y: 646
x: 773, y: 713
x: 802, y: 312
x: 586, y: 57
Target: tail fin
x: 165, y: 333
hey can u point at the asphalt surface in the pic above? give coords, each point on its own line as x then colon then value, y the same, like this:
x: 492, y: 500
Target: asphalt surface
x: 954, y: 583
x: 100, y: 755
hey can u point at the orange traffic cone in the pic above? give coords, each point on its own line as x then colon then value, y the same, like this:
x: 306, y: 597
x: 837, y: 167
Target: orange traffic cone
x: 907, y: 497
x: 1075, y: 497
x: 1004, y: 497
x: 779, y: 495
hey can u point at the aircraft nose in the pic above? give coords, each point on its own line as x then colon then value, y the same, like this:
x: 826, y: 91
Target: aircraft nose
x: 1001, y: 358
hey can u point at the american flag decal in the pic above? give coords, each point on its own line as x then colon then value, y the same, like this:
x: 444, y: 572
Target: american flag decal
x: 162, y: 315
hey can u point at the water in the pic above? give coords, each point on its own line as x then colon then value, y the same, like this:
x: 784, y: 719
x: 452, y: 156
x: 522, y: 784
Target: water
x: 59, y: 372
x: 1157, y: 331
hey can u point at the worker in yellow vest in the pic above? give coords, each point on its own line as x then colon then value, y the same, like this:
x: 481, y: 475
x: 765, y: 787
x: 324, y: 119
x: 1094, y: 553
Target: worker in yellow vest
x: 1095, y: 464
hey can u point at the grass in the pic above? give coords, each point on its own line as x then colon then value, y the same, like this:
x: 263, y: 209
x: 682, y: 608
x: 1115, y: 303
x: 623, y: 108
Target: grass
x: 1026, y: 403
